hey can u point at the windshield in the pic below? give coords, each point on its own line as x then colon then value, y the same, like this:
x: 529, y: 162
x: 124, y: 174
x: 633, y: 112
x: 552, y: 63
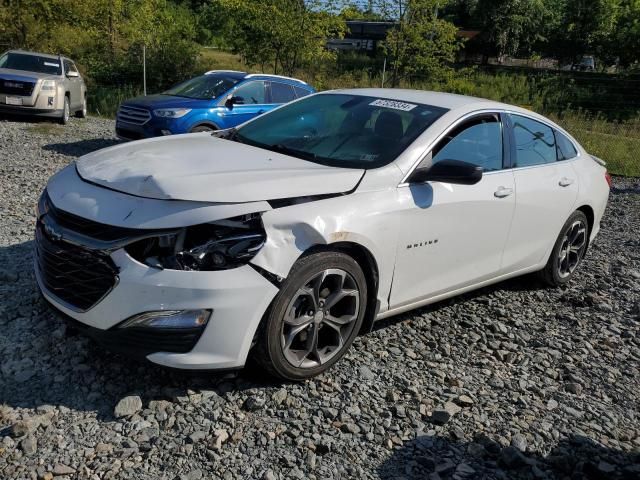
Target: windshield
x: 204, y: 87
x: 31, y: 63
x: 340, y: 130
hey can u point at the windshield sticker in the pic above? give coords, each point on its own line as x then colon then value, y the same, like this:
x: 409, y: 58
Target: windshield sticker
x: 49, y: 64
x: 368, y: 157
x: 405, y: 107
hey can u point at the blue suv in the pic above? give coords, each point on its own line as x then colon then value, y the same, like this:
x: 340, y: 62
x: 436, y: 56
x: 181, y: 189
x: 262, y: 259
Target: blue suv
x: 214, y: 101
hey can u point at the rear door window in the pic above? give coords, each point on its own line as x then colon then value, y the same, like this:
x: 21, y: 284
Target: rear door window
x: 282, y: 93
x: 534, y: 141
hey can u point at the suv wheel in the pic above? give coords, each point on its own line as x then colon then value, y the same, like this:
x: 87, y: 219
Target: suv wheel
x: 202, y: 128
x: 568, y: 251
x: 82, y: 113
x: 314, y: 318
x: 65, y: 112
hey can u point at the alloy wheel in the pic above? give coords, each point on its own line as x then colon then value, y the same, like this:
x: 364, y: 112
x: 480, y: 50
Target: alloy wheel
x: 320, y: 318
x: 572, y: 248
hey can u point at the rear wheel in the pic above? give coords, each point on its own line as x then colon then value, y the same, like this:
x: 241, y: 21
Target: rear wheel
x: 64, y: 119
x: 202, y: 128
x: 568, y: 250
x: 82, y: 113
x: 314, y: 318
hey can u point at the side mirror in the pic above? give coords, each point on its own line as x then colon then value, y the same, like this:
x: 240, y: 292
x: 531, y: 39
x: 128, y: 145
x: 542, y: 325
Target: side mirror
x: 448, y: 171
x: 72, y: 74
x: 231, y: 101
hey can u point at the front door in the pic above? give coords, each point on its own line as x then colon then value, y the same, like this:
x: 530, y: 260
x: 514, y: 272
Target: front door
x: 252, y: 98
x: 74, y: 85
x: 452, y: 236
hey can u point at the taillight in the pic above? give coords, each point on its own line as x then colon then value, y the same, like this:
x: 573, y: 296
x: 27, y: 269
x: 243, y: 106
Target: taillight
x: 608, y: 178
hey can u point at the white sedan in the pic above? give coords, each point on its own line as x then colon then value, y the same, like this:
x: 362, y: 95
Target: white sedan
x: 284, y: 238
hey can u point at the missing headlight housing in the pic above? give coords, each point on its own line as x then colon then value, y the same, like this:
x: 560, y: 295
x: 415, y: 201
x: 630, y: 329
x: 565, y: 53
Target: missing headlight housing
x: 219, y: 245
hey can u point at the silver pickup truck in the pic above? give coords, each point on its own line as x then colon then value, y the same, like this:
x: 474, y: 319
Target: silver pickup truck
x: 40, y: 84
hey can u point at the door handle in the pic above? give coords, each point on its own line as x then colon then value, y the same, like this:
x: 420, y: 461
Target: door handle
x: 260, y: 112
x: 503, y: 192
x: 565, y: 182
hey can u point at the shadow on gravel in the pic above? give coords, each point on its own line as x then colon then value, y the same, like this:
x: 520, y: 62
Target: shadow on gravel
x: 525, y: 283
x: 46, y: 363
x: 577, y: 457
x: 81, y: 147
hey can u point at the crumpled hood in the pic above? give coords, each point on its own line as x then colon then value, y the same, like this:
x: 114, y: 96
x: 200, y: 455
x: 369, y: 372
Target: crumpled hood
x: 199, y: 167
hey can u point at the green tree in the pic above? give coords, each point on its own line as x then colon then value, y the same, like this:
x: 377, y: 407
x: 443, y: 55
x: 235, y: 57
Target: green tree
x: 283, y: 35
x: 422, y: 44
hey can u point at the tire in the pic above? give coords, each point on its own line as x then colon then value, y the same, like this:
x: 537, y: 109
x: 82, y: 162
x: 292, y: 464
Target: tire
x: 65, y: 112
x: 202, y: 128
x: 285, y: 349
x: 568, y: 251
x: 82, y: 113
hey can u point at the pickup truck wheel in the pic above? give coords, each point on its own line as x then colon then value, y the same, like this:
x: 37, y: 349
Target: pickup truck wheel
x: 314, y: 318
x: 82, y: 113
x: 65, y: 112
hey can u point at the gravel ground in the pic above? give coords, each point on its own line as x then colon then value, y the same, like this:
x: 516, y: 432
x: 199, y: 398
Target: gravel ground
x: 514, y: 381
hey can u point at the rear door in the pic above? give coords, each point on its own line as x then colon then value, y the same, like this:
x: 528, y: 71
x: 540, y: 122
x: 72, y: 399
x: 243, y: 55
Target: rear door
x: 546, y: 191
x: 453, y: 236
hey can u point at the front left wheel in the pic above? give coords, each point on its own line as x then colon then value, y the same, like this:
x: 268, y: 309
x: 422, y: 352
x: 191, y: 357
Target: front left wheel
x: 64, y: 119
x: 314, y: 318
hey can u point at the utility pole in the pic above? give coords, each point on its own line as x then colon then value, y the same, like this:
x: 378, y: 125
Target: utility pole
x: 144, y: 69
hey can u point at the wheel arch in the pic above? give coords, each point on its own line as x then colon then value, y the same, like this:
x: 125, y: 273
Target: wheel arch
x: 590, y: 214
x: 363, y: 256
x: 205, y: 123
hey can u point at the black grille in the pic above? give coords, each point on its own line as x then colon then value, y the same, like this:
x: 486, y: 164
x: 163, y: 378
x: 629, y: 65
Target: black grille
x: 77, y: 276
x: 140, y: 342
x: 128, y: 134
x: 16, y: 87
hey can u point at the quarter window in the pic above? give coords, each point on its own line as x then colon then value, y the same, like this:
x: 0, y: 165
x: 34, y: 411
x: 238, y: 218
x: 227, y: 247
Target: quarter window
x: 566, y: 150
x: 251, y: 93
x: 534, y: 141
x: 477, y: 141
x: 301, y: 92
x: 281, y: 93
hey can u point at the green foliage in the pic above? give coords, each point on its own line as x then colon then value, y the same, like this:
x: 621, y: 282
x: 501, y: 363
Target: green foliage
x: 105, y: 37
x: 422, y: 44
x: 282, y: 34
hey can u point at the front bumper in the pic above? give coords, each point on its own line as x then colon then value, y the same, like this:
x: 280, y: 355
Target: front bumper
x: 238, y: 298
x: 31, y: 111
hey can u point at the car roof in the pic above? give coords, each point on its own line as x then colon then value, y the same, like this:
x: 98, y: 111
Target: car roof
x: 239, y: 75
x: 46, y: 55
x: 450, y: 101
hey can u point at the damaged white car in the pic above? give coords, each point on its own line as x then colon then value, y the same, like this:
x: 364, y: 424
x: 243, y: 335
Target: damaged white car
x: 284, y: 238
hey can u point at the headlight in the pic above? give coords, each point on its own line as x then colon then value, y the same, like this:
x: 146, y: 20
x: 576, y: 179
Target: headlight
x: 171, y: 112
x: 49, y: 85
x: 218, y: 245
x: 169, y: 319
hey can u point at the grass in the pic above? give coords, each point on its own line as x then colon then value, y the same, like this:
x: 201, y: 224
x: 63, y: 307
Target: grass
x: 45, y: 128
x: 617, y: 143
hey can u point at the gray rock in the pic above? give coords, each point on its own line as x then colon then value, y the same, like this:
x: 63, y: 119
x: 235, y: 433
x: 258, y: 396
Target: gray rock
x: 127, y: 406
x: 254, y: 404
x: 60, y: 469
x: 519, y: 441
x: 29, y: 445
